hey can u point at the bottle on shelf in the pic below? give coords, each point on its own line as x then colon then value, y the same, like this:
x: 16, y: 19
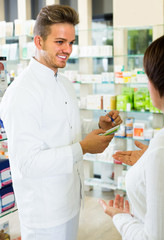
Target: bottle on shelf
x: 118, y: 168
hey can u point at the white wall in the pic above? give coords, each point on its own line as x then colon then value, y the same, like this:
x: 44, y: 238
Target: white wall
x: 138, y: 12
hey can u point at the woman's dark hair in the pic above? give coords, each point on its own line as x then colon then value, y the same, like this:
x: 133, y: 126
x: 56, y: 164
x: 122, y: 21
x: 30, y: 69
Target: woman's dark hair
x: 154, y: 64
x: 53, y: 14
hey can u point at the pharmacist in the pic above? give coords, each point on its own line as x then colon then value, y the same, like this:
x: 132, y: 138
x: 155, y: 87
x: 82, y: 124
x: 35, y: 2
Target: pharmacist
x: 42, y: 122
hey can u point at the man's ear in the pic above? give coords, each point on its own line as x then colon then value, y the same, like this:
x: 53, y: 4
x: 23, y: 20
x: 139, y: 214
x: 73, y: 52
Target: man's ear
x: 38, y: 42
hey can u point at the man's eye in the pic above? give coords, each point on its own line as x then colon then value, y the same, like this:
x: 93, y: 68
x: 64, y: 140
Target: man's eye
x: 71, y: 43
x: 59, y: 42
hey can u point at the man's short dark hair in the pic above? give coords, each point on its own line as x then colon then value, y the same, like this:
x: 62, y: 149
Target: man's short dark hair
x: 53, y: 14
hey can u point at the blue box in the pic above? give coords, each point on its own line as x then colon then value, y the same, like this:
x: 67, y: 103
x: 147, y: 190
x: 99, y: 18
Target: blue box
x: 7, y: 198
x: 5, y: 173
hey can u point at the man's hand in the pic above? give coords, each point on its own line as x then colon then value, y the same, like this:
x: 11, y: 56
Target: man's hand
x: 131, y: 157
x: 116, y: 206
x: 106, y: 123
x: 95, y: 143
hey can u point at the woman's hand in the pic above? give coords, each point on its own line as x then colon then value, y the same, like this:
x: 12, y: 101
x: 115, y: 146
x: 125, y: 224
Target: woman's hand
x: 131, y: 157
x: 115, y: 206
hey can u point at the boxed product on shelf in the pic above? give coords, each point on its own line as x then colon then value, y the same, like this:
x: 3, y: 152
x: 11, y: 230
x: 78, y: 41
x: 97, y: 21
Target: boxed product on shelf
x: 121, y: 133
x: 94, y: 102
x: 29, y: 26
x: 140, y: 99
x: 89, y: 78
x: 122, y: 101
x: 19, y: 27
x: 130, y: 93
x: 6, y: 29
x: 95, y: 51
x: 24, y: 27
x: 119, y: 77
x: 141, y: 76
x: 28, y: 50
x: 109, y: 102
x: 72, y: 75
x: 148, y: 134
x: 138, y: 131
x: 4, y: 231
x: 125, y: 100
x: 123, y: 77
x: 3, y: 73
x: 118, y: 167
x: 5, y: 49
x: 107, y: 77
x: 147, y: 101
x: 5, y: 173
x: 75, y: 51
x: 88, y: 51
x: 2, y: 130
x: 13, y: 51
x: 9, y: 29
x: 7, y: 198
x: 105, y: 51
x: 129, y: 127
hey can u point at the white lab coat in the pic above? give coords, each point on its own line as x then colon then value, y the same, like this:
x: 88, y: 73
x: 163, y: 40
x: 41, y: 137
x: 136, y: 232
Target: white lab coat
x: 146, y: 195
x: 42, y: 122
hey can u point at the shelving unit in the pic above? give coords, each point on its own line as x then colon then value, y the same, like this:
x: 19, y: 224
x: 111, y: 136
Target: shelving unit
x: 108, y: 64
x: 100, y: 183
x: 130, y: 61
x: 11, y: 210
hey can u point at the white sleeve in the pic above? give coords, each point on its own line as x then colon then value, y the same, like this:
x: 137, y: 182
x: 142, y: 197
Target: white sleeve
x: 153, y: 226
x: 23, y: 125
x: 88, y: 125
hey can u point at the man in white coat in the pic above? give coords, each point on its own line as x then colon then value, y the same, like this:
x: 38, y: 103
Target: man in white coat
x: 41, y: 118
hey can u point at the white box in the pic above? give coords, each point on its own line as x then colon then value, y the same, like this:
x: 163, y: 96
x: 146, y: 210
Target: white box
x: 138, y: 130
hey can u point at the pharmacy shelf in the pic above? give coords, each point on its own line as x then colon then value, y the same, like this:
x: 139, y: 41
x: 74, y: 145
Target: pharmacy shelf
x: 115, y: 56
x: 93, y: 159
x: 11, y: 210
x: 112, y: 83
x: 132, y: 111
x: 128, y: 138
x: 100, y: 183
x: 101, y: 161
x: 1, y: 140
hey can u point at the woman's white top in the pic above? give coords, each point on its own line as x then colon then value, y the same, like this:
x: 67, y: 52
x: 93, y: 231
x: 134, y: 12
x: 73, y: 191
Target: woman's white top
x: 145, y: 189
x: 41, y: 118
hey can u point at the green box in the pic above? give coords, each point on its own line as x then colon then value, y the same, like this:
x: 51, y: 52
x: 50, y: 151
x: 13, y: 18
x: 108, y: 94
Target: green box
x: 122, y: 100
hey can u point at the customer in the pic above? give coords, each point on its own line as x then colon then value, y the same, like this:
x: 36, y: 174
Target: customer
x: 42, y: 122
x: 145, y: 179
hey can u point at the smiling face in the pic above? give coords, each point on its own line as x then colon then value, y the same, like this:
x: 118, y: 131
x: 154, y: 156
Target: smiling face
x: 56, y: 49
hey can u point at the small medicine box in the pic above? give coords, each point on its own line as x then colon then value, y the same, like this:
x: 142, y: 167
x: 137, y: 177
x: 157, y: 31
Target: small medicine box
x: 138, y: 131
x: 5, y: 173
x: 7, y: 198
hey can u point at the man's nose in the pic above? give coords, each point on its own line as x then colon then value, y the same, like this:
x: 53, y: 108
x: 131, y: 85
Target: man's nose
x: 67, y: 48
